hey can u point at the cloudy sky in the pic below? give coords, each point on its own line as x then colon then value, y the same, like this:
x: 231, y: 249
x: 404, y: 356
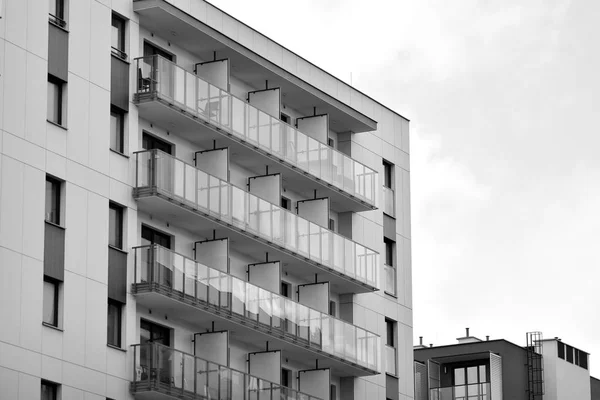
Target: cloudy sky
x: 504, y: 102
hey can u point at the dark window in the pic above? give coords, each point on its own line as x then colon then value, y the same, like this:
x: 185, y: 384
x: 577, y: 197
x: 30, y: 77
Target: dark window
x: 583, y: 359
x: 569, y: 354
x: 57, y: 12
x: 55, y: 100
x: 561, y: 350
x: 154, y: 333
x: 117, y: 129
x: 118, y: 36
x: 389, y: 251
x: 330, y: 142
x: 387, y: 174
x: 150, y: 142
x: 332, y: 392
x: 286, y: 290
x: 152, y: 236
x: 52, y: 200
x: 113, y: 326
x: 390, y: 327
x: 286, y: 203
x: 331, y: 224
x: 115, y: 226
x: 285, y: 118
x: 49, y: 390
x: 50, y: 315
x: 286, y: 377
x: 151, y: 50
x: 332, y: 308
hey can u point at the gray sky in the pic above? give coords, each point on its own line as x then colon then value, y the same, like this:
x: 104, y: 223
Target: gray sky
x: 504, y: 102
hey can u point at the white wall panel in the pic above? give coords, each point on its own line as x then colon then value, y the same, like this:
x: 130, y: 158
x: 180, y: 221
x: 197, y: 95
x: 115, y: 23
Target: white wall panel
x: 11, y: 204
x: 33, y: 212
x: 52, y: 342
x: 10, y: 293
x: 76, y: 229
x: 116, y: 360
x: 36, y: 87
x: 97, y: 238
x: 79, y: 38
x: 100, y: 36
x: 56, y: 139
x: 117, y: 388
x: 20, y: 359
x: 31, y: 301
x: 52, y: 369
x: 16, y: 22
x: 71, y: 393
x: 84, y: 378
x: 9, y: 382
x: 37, y: 28
x: 29, y: 387
x: 78, y: 103
x: 95, y: 325
x: 15, y: 82
x: 74, y: 320
x: 23, y: 151
x: 99, y: 128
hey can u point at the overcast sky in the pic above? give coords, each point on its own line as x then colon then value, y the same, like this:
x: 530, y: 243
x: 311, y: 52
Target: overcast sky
x: 504, y: 102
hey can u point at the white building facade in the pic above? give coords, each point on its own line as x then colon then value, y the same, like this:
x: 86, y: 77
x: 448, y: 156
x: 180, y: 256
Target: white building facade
x: 190, y: 210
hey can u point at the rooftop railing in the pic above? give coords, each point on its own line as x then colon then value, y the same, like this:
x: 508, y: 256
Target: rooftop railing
x: 159, y: 172
x: 158, y: 368
x: 162, y: 79
x: 162, y: 270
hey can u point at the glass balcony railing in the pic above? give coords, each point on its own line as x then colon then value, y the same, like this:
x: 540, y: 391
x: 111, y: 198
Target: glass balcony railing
x: 389, y: 202
x: 390, y: 360
x: 390, y: 280
x: 158, y: 368
x: 162, y: 79
x: 187, y: 185
x: 476, y: 391
x: 162, y: 270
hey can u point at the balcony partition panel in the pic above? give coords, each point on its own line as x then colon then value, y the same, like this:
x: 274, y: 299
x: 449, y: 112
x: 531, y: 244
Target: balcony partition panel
x: 162, y: 270
x: 160, y: 173
x: 158, y: 368
x: 159, y: 78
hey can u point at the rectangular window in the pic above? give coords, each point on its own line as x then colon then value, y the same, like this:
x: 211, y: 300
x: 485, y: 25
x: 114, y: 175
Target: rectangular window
x: 52, y: 200
x: 49, y: 390
x: 583, y: 359
x: 115, y: 226
x: 118, y: 36
x: 117, y: 129
x: 285, y: 118
x: 330, y: 142
x: 389, y: 251
x: 390, y: 327
x: 50, y: 315
x: 113, y: 326
x: 332, y: 308
x: 57, y: 12
x: 561, y: 350
x: 570, y: 354
x: 286, y: 378
x: 55, y: 100
x: 331, y: 224
x: 286, y: 203
x: 332, y: 392
x: 387, y: 174
x: 286, y: 290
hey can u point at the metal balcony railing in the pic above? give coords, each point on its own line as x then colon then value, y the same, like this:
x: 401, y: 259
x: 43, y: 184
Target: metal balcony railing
x: 159, y: 78
x: 164, y: 271
x: 390, y: 280
x: 160, y: 173
x: 476, y: 391
x: 158, y: 368
x: 389, y: 206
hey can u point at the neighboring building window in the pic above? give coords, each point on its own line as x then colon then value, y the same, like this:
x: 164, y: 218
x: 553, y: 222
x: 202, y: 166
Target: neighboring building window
x: 52, y: 200
x: 389, y: 251
x: 561, y: 350
x: 583, y: 359
x: 286, y: 290
x: 115, y: 226
x: 570, y: 354
x: 285, y: 118
x: 117, y: 129
x: 50, y: 315
x: 286, y: 203
x: 57, y: 12
x: 113, y: 326
x: 387, y: 174
x: 118, y: 36
x: 55, y: 100
x: 49, y: 390
x: 286, y: 378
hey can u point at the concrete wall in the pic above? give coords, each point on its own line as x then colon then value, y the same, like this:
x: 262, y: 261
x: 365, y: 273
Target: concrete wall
x: 564, y: 380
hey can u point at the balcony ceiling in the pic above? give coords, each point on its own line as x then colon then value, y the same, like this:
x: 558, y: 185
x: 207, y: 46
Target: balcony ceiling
x: 181, y: 29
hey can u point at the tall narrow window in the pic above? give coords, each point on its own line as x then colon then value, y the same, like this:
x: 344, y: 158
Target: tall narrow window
x: 387, y: 174
x: 50, y: 313
x: 561, y: 350
x: 57, y: 12
x: 286, y: 290
x: 52, y: 200
x: 390, y: 348
x: 55, y: 100
x: 115, y: 226
x: 113, y: 326
x: 286, y: 378
x: 117, y: 129
x: 390, y: 334
x: 332, y: 308
x: 285, y: 118
x: 49, y: 390
x: 286, y: 203
x: 118, y: 36
x: 389, y: 251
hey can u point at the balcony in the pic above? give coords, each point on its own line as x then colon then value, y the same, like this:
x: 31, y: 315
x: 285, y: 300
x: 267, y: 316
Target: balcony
x: 391, y: 360
x: 169, y: 186
x: 194, y: 292
x: 160, y: 372
x: 390, y: 280
x: 200, y: 112
x: 476, y: 391
x: 389, y: 204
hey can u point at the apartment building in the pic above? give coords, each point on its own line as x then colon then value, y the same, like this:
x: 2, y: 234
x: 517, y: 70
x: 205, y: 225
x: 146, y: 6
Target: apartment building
x: 475, y: 369
x: 190, y: 210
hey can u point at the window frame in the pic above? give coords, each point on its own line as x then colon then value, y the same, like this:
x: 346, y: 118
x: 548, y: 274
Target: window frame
x: 388, y: 179
x: 117, y: 330
x: 50, y: 385
x: 120, y: 51
x: 120, y: 218
x: 55, y: 300
x: 390, y: 246
x: 59, y: 17
x: 119, y: 146
x: 286, y: 203
x: 58, y: 115
x: 56, y: 187
x: 390, y: 333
